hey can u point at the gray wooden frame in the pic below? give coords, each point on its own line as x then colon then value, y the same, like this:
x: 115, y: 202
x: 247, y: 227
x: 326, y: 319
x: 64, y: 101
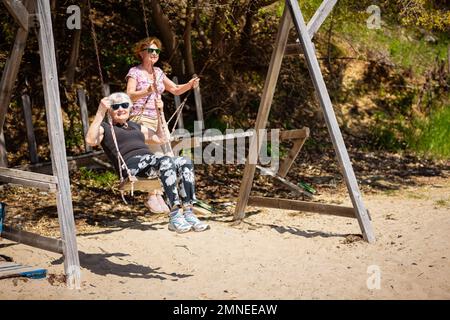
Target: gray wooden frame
x: 59, y: 181
x: 292, y: 13
x: 28, y: 116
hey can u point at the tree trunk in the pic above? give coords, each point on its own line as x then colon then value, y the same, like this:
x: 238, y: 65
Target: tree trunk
x: 189, y: 61
x: 167, y: 36
x: 72, y: 64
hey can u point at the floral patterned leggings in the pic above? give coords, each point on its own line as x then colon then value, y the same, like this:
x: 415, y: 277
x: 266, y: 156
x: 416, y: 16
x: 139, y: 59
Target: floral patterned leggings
x: 171, y: 171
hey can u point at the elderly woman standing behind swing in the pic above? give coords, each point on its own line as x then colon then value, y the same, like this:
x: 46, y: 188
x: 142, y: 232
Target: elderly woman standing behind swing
x: 145, y: 84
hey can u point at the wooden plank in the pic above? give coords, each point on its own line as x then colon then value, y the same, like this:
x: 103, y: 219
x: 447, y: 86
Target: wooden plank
x: 30, y: 179
x: 332, y: 124
x: 7, y: 82
x: 293, y: 49
x: 18, y: 11
x: 290, y: 158
x: 298, y: 205
x: 180, y: 123
x: 302, y: 133
x: 282, y: 180
x: 73, y: 163
x: 32, y: 239
x: 84, y: 116
x: 29, y: 183
x: 142, y: 184
x: 284, y: 135
x: 57, y: 144
x: 319, y: 17
x: 3, y: 153
x: 263, y: 112
x: 28, y: 175
x: 32, y: 146
x: 19, y: 270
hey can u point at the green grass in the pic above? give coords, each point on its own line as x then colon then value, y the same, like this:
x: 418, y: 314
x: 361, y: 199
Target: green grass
x: 405, y: 46
x: 431, y: 136
x: 104, y: 180
x: 442, y: 203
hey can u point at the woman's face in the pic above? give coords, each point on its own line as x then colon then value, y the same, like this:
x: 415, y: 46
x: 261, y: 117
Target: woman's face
x: 120, y: 112
x: 150, y: 54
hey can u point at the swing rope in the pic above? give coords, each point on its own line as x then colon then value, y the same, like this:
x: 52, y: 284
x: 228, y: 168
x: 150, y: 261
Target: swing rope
x: 121, y: 162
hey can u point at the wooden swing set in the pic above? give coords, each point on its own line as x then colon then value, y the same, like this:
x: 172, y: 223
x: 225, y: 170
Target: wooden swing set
x: 36, y: 14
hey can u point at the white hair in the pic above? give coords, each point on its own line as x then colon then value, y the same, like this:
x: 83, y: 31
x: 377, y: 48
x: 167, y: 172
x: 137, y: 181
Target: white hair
x: 119, y: 97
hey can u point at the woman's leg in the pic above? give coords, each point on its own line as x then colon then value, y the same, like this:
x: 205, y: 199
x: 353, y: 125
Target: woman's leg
x: 185, y: 170
x: 186, y: 177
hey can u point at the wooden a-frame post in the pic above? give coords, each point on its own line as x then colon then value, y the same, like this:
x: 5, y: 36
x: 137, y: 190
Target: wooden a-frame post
x: 58, y: 182
x: 292, y: 13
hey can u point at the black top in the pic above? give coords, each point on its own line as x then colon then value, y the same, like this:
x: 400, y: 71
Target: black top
x: 131, y: 142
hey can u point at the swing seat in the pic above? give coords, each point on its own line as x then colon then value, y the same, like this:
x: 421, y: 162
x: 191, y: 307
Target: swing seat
x: 142, y: 184
x: 153, y: 184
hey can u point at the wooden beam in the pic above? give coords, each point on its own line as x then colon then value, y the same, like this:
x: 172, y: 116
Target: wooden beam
x: 74, y: 163
x: 57, y: 144
x: 298, y: 205
x: 290, y: 158
x: 320, y: 16
x: 142, y: 184
x: 31, y: 239
x: 30, y: 179
x: 84, y: 117
x: 293, y: 49
x: 330, y: 119
x: 7, y: 82
x: 282, y: 180
x: 28, y: 175
x: 32, y: 146
x: 294, y: 134
x: 180, y: 123
x: 313, y: 26
x: 263, y: 112
x: 198, y: 105
x: 3, y: 153
x: 18, y: 11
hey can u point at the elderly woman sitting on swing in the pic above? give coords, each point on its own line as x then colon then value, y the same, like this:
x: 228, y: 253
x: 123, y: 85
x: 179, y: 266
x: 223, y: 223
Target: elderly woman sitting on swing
x: 131, y: 138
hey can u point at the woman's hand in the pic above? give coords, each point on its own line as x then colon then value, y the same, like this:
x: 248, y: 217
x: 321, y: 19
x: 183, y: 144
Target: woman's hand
x: 150, y: 87
x: 194, y: 83
x: 104, y: 106
x: 159, y: 105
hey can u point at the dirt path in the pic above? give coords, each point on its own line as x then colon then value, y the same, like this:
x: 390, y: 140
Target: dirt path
x: 274, y: 254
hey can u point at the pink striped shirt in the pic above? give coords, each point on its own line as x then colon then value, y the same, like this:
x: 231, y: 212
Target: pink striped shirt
x: 142, y: 82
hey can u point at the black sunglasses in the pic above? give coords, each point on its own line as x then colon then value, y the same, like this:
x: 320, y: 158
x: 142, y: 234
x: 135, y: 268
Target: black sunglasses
x: 116, y: 106
x: 153, y: 50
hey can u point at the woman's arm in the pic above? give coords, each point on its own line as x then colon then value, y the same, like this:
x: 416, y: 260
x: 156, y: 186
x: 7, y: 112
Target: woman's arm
x: 95, y: 132
x: 179, y: 89
x: 137, y: 94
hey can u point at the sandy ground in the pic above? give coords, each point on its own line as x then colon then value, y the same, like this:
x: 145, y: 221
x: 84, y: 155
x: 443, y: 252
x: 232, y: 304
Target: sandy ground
x: 274, y: 254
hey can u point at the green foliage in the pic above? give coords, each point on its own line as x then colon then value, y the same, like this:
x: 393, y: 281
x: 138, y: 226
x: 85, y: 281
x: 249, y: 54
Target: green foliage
x: 431, y: 136
x: 74, y: 137
x: 103, y: 180
x: 387, y: 134
x: 429, y: 14
x: 216, y: 123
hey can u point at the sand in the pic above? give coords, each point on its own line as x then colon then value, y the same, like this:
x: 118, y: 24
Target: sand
x: 273, y: 254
